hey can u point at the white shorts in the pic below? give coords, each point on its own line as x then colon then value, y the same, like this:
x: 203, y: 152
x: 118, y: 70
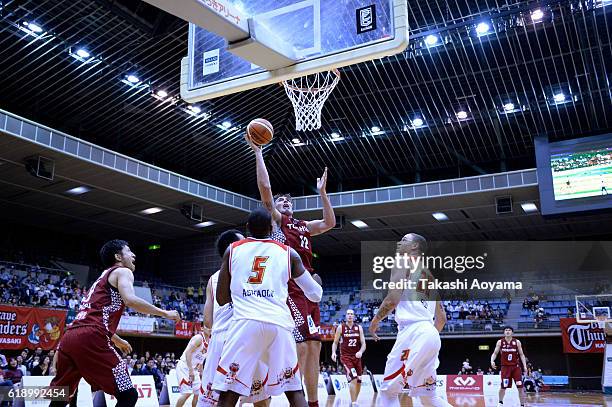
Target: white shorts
x: 413, y: 361
x: 182, y: 378
x: 249, y: 342
x: 208, y: 397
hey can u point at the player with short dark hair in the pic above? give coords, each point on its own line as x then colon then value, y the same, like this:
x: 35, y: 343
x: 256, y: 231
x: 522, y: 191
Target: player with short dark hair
x: 352, y: 347
x: 297, y: 234
x: 86, y: 349
x: 511, y: 350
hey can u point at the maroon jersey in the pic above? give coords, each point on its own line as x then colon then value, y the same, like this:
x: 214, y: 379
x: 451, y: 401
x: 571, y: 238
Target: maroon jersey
x: 509, y: 352
x: 351, y: 340
x: 294, y: 233
x: 102, y: 306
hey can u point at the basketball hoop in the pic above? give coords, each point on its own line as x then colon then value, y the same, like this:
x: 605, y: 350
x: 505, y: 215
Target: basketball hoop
x: 308, y: 95
x: 601, y: 321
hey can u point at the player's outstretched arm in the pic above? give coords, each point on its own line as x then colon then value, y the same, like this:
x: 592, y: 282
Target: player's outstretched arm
x: 224, y: 293
x: 312, y: 290
x: 209, y: 305
x: 522, y: 355
x: 359, y: 354
x: 263, y: 181
x: 336, y: 340
x: 495, y: 352
x: 440, y: 316
x: 317, y: 227
x: 124, y: 281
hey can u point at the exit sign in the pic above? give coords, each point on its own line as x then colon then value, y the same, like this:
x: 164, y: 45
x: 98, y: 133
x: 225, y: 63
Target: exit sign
x: 483, y: 347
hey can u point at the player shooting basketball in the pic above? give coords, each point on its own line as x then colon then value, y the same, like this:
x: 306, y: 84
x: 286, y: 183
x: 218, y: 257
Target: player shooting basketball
x: 297, y: 235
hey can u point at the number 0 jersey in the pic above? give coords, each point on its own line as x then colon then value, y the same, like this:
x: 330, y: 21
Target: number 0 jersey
x: 260, y: 271
x: 509, y: 352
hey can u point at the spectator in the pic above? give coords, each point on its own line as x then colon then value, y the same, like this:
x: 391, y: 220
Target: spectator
x: 12, y: 373
x: 137, y: 370
x: 43, y: 368
x: 2, y: 360
x: 152, y: 370
x: 20, y: 365
x: 466, y: 365
x: 490, y: 371
x: 570, y: 313
x: 479, y: 372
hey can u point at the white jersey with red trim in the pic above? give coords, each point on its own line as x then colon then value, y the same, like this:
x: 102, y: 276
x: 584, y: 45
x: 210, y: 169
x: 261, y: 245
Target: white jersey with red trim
x: 222, y: 314
x: 417, y: 304
x: 260, y: 270
x: 198, y: 356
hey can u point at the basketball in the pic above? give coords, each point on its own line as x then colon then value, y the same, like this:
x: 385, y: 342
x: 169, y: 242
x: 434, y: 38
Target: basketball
x: 260, y: 131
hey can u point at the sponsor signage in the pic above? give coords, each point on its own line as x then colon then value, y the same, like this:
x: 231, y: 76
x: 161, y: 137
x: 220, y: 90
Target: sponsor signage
x: 147, y: 396
x: 27, y: 327
x: 130, y: 323
x: 183, y: 329
x: 341, y: 386
x: 582, y: 338
x: 84, y: 396
x: 472, y: 384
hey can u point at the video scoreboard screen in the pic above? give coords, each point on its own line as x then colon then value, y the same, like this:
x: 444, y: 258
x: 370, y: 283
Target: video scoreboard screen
x: 575, y: 175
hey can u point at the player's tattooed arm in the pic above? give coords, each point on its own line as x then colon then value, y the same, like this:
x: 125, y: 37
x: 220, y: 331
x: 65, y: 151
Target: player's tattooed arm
x: 495, y: 352
x: 224, y: 294
x: 208, y: 306
x: 263, y: 181
x: 389, y: 303
x: 317, y: 227
x: 336, y: 340
x: 522, y: 355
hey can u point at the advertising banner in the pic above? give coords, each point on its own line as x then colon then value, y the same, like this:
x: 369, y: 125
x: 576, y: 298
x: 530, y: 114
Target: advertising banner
x: 26, y: 327
x: 582, y: 338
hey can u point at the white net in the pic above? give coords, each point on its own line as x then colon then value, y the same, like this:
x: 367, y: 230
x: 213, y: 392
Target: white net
x: 308, y: 95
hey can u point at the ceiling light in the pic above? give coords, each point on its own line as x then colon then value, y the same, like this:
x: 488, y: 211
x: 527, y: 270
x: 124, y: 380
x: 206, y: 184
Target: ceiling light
x: 194, y: 109
x: 35, y: 28
x: 508, y: 107
x: 431, y: 40
x: 204, y: 224
x: 151, y: 211
x: 296, y: 141
x: 335, y: 135
x: 375, y: 129
x: 537, y: 15
x: 417, y: 122
x: 131, y: 78
x: 226, y: 124
x: 462, y: 115
x: 83, y: 53
x: 78, y: 190
x: 162, y: 93
x: 440, y: 216
x: 529, y: 207
x: 559, y: 97
x: 482, y: 28
x: 359, y: 223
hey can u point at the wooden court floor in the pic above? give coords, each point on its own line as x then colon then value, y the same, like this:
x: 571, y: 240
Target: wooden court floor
x: 536, y: 400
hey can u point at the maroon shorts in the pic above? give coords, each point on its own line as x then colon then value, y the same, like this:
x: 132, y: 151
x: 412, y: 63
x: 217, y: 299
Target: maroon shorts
x: 510, y: 373
x: 307, y: 317
x: 87, y: 352
x: 353, y: 368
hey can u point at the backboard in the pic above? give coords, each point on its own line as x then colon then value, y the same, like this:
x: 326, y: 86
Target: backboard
x: 594, y: 308
x: 321, y: 35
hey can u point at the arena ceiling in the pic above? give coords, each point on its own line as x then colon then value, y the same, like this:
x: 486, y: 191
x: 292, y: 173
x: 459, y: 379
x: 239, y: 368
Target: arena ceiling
x: 526, y: 59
